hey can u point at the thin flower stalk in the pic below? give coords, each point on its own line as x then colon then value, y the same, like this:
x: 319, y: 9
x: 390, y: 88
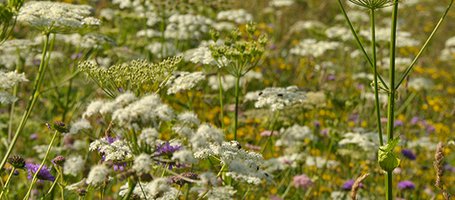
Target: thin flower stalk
x: 31, y: 103
x: 7, y: 182
x: 35, y: 176
x: 392, y: 90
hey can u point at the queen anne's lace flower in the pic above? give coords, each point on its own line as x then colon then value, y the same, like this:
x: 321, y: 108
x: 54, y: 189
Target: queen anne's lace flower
x: 276, y: 98
x: 57, y: 17
x: 73, y: 165
x: 142, y: 163
x: 314, y: 48
x: 98, y: 174
x: 181, y: 81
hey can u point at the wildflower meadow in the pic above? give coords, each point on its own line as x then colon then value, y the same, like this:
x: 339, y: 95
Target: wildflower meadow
x: 227, y: 99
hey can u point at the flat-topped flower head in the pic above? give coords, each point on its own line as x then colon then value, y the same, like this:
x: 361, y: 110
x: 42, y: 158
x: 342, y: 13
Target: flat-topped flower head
x: 56, y: 17
x: 373, y: 4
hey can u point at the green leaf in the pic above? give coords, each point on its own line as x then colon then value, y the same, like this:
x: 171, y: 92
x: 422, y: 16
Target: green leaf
x: 386, y: 158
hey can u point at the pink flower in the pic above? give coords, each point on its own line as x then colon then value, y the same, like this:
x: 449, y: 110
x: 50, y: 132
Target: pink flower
x: 302, y: 181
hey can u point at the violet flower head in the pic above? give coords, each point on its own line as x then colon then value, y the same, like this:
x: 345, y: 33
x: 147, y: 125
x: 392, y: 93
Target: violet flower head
x: 347, y: 186
x: 44, y: 173
x: 406, y: 185
x: 167, y: 149
x: 302, y: 181
x: 408, y: 154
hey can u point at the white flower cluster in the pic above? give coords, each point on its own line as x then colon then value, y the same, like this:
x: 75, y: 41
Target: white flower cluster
x: 294, y: 137
x: 276, y: 98
x: 239, y: 16
x: 184, y: 157
x: 300, y: 26
x: 7, y: 81
x: 73, y: 165
x: 448, y: 53
x: 142, y: 164
x: 314, y: 48
x: 187, y: 26
x: 339, y: 32
x: 149, y: 136
x: 420, y: 83
x: 205, y: 136
x: 186, y: 124
x: 97, y: 175
x: 116, y: 151
x: 404, y: 39
x: 281, y: 3
x: 201, y: 54
x: 79, y: 125
x: 57, y: 17
x: 366, y: 141
x: 181, y: 81
x: 221, y: 193
x: 228, y: 81
x: 162, y: 50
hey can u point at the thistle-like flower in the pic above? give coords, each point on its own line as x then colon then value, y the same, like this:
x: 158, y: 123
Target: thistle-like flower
x: 373, y: 4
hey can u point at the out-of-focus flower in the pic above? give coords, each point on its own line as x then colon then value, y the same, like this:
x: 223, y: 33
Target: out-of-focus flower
x: 302, y: 181
x: 408, y: 154
x: 406, y: 185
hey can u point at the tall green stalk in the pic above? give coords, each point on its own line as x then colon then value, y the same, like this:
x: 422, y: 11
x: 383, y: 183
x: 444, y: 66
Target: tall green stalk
x: 375, y: 71
x: 7, y: 182
x: 237, y: 95
x: 220, y: 85
x: 392, y: 90
x: 31, y: 103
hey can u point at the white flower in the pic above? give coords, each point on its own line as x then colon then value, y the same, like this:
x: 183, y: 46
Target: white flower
x: 184, y: 156
x: 119, y: 102
x: 276, y: 98
x: 93, y: 108
x: 142, y: 163
x: 10, y: 79
x: 149, y: 136
x: 314, y: 48
x: 419, y: 84
x: 187, y: 26
x: 188, y: 117
x: 79, y: 125
x: 205, y: 136
x: 228, y: 81
x: 294, y: 136
x: 281, y: 3
x: 221, y: 193
x: 56, y: 17
x: 98, y: 174
x: 366, y: 141
x: 117, y: 151
x: 159, y: 188
x: 7, y: 98
x: 239, y: 16
x: 73, y: 165
x: 182, y: 81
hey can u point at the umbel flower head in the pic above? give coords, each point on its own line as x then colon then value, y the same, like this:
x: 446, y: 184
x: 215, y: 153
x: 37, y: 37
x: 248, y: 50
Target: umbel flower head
x: 56, y: 17
x: 373, y: 4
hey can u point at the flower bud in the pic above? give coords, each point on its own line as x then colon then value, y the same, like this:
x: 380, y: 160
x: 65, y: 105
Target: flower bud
x: 16, y: 161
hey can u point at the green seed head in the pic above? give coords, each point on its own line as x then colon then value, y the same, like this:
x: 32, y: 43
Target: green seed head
x: 373, y: 4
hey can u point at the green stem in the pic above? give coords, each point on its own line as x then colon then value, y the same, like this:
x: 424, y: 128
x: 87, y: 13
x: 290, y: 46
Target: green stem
x: 35, y: 176
x: 7, y: 182
x: 359, y: 43
x: 391, y: 100
x: 375, y: 71
x: 236, y: 116
x: 409, y: 68
x: 31, y: 103
x: 220, y: 85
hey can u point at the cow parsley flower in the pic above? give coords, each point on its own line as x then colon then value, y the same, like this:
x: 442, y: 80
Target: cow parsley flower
x: 187, y: 26
x: 181, y: 81
x: 205, y: 136
x: 281, y: 3
x: 97, y: 175
x: 56, y: 17
x: 142, y: 164
x: 93, y: 108
x: 73, y: 165
x: 294, y: 136
x: 149, y: 136
x: 79, y: 125
x: 160, y: 189
x: 313, y: 48
x: 276, y: 98
x: 116, y: 151
x: 221, y: 193
x: 239, y: 16
x: 184, y: 157
x: 10, y: 79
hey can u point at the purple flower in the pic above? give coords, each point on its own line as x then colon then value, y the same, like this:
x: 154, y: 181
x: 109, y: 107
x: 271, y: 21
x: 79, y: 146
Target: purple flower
x: 44, y: 173
x: 398, y: 123
x: 414, y: 120
x: 406, y: 185
x: 302, y: 181
x: 348, y: 185
x: 166, y: 149
x: 119, y: 166
x: 408, y: 154
x: 331, y: 77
